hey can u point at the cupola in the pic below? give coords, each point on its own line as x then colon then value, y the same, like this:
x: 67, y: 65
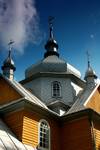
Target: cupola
x: 90, y: 75
x: 8, y: 67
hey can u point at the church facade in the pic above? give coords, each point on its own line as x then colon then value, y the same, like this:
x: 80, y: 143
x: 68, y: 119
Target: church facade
x: 52, y: 108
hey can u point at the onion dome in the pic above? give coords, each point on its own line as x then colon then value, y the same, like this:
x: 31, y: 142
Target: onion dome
x: 51, y: 45
x: 90, y: 73
x: 51, y: 63
x: 8, y: 62
x: 90, y: 76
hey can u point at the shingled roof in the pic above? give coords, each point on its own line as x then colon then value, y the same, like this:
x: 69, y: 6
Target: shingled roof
x: 80, y: 102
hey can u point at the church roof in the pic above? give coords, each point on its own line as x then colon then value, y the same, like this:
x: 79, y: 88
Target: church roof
x: 85, y: 96
x: 25, y: 93
x: 77, y: 106
x: 52, y: 64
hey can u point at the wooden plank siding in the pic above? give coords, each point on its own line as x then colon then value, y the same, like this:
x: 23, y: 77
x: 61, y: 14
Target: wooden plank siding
x: 14, y: 121
x: 65, y: 135
x: 96, y: 131
x: 25, y: 125
x: 55, y: 135
x: 76, y: 135
x: 30, y: 128
x: 94, y: 102
x: 7, y: 93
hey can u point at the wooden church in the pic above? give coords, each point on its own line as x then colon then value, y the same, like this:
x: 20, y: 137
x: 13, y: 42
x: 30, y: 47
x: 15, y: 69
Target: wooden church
x: 52, y: 108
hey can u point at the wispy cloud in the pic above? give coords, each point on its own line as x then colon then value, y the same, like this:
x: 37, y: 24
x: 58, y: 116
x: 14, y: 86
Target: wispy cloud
x: 19, y: 22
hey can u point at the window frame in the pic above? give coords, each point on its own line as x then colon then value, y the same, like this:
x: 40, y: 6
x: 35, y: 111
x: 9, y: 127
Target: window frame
x: 40, y: 147
x: 56, y: 91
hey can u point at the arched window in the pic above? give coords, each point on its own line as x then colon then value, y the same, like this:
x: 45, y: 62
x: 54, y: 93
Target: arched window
x: 44, y: 135
x: 56, y: 89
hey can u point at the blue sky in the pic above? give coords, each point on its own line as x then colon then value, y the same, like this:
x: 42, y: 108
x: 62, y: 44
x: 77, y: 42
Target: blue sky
x: 76, y: 29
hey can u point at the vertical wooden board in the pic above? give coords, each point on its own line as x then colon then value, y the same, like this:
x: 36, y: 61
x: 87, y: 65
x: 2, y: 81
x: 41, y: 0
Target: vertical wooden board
x: 76, y: 135
x: 96, y: 131
x: 55, y: 134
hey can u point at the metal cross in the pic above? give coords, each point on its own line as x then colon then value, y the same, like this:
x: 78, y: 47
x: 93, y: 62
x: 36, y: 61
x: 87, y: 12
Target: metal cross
x: 50, y: 20
x: 10, y: 47
x: 88, y: 58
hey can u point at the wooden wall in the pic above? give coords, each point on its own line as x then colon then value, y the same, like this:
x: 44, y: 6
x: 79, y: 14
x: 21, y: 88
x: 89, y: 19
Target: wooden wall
x: 70, y: 135
x: 55, y: 135
x: 7, y: 93
x: 94, y: 102
x: 30, y: 130
x: 14, y: 121
x: 76, y: 135
x: 25, y: 126
x: 96, y: 131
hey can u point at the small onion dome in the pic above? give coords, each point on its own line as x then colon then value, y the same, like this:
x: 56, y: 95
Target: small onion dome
x: 90, y: 73
x: 8, y: 63
x: 52, y: 48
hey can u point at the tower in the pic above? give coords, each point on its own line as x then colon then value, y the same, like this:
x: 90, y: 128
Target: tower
x: 52, y: 79
x: 8, y: 67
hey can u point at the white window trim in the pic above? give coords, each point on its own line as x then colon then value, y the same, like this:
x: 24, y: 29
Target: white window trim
x: 39, y: 147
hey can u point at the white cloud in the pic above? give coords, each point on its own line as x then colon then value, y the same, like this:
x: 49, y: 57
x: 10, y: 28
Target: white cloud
x: 19, y: 22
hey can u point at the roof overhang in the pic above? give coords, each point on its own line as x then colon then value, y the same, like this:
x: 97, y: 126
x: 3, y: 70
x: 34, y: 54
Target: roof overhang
x: 74, y: 78
x: 24, y: 104
x: 90, y: 113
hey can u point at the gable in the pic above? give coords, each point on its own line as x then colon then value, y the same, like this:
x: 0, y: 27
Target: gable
x: 94, y: 102
x: 7, y: 92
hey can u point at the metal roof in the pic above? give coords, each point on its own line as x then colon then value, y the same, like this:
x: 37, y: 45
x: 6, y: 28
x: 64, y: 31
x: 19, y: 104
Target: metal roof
x: 51, y: 64
x: 85, y: 96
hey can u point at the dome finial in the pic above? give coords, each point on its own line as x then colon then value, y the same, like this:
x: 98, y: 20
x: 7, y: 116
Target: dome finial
x: 88, y: 58
x: 10, y: 48
x: 51, y: 45
x: 50, y: 20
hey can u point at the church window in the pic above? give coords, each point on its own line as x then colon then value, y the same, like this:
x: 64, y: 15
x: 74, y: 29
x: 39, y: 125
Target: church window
x: 56, y: 89
x: 44, y: 135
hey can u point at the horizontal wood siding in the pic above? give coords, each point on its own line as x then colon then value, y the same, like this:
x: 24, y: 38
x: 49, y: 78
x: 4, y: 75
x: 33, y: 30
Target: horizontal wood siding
x: 15, y: 122
x: 7, y: 93
x: 97, y: 135
x: 30, y: 129
x: 76, y: 135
